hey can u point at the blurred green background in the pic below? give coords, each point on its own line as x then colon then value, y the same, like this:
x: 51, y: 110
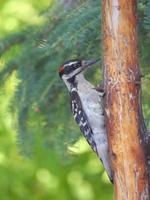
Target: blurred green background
x: 42, y: 153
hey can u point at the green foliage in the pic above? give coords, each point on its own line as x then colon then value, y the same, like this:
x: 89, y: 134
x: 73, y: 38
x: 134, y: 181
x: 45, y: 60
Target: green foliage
x: 147, y: 15
x: 34, y: 103
x: 144, y: 47
x: 36, y: 53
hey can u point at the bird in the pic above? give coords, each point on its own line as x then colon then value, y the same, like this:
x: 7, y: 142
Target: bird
x: 87, y: 107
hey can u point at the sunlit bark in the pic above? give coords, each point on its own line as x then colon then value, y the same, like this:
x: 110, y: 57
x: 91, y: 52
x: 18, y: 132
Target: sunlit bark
x: 122, y: 83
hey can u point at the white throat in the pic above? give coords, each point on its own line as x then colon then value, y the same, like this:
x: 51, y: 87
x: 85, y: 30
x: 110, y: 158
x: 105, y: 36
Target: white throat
x: 79, y: 79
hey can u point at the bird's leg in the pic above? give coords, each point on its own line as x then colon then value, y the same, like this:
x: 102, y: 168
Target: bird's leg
x: 100, y: 88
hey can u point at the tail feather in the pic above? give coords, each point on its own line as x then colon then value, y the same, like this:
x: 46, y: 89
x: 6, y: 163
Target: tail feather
x: 104, y: 157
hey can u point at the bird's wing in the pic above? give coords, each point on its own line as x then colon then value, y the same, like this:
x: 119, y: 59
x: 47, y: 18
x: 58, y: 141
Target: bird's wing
x: 81, y: 119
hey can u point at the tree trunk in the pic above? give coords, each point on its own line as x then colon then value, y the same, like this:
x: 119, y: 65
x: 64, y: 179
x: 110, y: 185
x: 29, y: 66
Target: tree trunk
x: 122, y: 83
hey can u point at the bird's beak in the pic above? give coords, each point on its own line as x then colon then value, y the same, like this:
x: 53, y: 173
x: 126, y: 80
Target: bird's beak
x: 87, y: 63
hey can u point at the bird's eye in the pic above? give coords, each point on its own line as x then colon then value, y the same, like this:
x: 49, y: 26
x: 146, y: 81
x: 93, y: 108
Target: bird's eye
x: 76, y: 66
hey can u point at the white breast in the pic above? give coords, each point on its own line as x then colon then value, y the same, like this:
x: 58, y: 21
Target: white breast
x: 92, y: 105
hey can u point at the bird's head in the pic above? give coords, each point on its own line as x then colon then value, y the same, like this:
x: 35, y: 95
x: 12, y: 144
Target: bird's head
x: 72, y: 68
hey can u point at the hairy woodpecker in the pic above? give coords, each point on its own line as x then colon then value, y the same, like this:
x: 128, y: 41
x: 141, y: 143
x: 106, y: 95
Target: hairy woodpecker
x: 87, y: 108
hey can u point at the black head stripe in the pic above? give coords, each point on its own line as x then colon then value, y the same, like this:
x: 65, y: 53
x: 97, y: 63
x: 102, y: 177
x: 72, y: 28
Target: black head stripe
x: 68, y: 69
x: 71, y: 65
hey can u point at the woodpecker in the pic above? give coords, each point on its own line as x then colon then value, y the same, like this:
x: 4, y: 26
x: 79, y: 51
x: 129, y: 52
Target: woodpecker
x: 87, y: 108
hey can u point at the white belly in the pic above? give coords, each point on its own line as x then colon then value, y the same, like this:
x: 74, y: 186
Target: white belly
x: 92, y: 105
x: 93, y: 109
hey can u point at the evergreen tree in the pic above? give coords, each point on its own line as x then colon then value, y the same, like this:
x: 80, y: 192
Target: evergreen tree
x: 33, y: 57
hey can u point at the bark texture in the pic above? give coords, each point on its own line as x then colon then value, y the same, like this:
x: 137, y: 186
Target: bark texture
x: 122, y: 82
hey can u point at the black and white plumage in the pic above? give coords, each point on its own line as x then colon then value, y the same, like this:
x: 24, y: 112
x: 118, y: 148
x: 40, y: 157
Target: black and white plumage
x: 87, y: 108
x: 81, y: 118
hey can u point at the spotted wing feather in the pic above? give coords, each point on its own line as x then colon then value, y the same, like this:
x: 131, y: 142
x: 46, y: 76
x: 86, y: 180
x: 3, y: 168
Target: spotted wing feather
x: 81, y: 119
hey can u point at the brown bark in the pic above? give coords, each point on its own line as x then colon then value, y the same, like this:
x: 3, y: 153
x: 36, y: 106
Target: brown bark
x: 122, y: 82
